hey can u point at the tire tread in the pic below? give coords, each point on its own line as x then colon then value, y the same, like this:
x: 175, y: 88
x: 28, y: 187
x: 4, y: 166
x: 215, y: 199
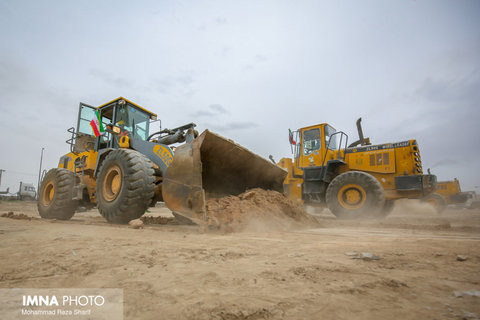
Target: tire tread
x: 373, y: 188
x: 62, y: 206
x: 139, y: 184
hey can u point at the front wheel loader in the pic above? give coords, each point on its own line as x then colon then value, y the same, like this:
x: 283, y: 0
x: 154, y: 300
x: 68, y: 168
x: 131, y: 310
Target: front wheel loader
x: 116, y: 164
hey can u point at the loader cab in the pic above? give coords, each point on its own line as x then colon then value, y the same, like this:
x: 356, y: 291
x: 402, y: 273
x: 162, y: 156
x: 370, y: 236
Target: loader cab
x: 315, y: 145
x: 319, y: 151
x: 121, y: 114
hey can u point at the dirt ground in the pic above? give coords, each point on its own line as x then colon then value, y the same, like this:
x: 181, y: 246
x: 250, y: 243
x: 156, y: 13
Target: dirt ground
x: 177, y: 272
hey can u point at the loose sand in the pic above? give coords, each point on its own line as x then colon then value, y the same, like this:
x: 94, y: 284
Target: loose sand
x: 176, y: 272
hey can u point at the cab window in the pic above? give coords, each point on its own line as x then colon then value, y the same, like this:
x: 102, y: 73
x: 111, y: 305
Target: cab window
x: 330, y: 138
x: 311, y: 141
x: 133, y: 120
x: 87, y: 113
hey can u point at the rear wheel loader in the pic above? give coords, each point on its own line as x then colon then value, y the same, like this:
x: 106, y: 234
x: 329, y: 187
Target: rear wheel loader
x: 449, y: 192
x: 125, y: 170
x: 354, y: 181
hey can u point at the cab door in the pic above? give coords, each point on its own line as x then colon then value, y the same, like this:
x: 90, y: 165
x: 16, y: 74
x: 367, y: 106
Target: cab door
x: 86, y: 113
x: 311, y: 149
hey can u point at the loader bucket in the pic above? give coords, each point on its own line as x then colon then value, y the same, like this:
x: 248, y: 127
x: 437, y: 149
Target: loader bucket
x: 212, y: 166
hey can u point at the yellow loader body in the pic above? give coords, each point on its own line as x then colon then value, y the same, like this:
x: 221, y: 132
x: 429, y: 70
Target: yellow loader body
x: 389, y: 171
x: 124, y: 169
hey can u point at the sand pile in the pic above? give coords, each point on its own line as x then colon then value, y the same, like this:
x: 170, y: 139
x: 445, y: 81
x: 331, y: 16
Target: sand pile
x: 257, y: 210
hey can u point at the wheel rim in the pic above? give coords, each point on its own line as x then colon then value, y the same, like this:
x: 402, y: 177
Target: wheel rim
x: 112, y: 184
x: 352, y: 196
x: 48, y: 194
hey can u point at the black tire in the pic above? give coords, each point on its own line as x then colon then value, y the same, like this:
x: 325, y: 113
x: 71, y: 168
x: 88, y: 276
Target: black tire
x: 355, y: 195
x: 437, y: 201
x: 125, y: 186
x: 55, y: 195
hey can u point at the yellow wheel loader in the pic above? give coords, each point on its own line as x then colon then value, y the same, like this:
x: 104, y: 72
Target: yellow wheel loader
x: 354, y: 181
x: 125, y: 169
x: 448, y: 192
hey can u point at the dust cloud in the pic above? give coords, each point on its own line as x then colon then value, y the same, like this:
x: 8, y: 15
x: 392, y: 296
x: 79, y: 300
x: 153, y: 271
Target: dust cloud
x: 413, y: 207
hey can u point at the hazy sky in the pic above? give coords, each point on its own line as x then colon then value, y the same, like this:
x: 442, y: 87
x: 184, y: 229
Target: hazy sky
x: 248, y: 70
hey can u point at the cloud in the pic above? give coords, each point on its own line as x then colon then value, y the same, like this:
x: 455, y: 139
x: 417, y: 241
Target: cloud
x: 22, y: 86
x: 111, y: 79
x: 218, y: 113
x: 202, y: 113
x: 232, y: 126
x: 185, y: 80
x: 163, y: 85
x: 261, y: 58
x: 463, y: 89
x: 287, y: 70
x: 35, y: 112
x: 225, y: 51
x: 258, y: 59
x: 168, y: 85
x: 241, y: 125
x: 221, y: 21
x: 214, y: 110
x: 218, y: 108
x: 447, y: 163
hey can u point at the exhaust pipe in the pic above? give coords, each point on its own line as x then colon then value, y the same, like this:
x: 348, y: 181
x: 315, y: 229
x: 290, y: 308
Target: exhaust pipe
x: 361, y: 141
x: 360, y: 131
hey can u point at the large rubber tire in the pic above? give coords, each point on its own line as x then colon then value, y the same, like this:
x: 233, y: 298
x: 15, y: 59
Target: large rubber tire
x: 437, y: 201
x: 55, y: 195
x: 355, y: 195
x: 125, y: 186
